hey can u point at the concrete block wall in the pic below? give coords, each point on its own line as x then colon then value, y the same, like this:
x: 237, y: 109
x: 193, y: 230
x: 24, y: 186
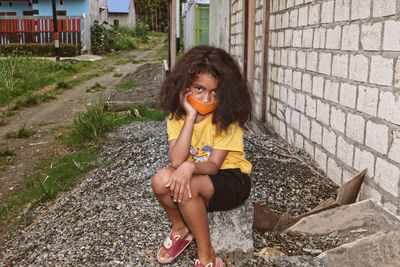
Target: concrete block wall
x: 335, y: 74
x: 237, y: 34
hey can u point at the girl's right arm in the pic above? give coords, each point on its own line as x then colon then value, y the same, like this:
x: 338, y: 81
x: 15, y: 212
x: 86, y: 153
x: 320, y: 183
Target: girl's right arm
x: 179, y: 148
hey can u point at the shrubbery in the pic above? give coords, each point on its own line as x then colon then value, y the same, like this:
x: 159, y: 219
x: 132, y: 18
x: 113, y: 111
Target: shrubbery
x: 106, y: 37
x: 43, y: 50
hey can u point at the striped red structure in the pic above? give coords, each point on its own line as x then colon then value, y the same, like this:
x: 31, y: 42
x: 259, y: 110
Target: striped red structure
x: 34, y: 29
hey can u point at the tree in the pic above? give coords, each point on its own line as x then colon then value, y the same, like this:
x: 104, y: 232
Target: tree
x: 153, y: 13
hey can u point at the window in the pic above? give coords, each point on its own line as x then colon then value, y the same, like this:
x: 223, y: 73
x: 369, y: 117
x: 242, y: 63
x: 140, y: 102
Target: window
x: 61, y: 2
x: 61, y: 12
x: 10, y: 3
x: 35, y: 1
x: 30, y: 12
x: 116, y: 23
x: 11, y: 13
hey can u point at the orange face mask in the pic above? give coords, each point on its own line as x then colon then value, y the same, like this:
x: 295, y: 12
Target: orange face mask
x: 201, y: 108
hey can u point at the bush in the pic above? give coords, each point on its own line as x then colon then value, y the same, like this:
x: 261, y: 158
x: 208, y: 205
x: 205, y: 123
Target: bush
x: 43, y: 50
x: 102, y: 37
x: 124, y: 42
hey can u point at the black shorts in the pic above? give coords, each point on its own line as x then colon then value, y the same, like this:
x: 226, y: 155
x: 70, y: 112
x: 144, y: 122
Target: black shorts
x: 231, y: 189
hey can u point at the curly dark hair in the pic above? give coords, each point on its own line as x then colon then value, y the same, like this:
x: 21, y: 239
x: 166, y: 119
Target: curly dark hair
x: 233, y: 92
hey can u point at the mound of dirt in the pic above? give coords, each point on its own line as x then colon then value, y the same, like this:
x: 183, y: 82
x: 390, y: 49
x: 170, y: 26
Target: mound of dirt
x: 146, y: 80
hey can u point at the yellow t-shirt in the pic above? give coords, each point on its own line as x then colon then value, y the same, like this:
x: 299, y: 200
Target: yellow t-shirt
x: 205, y: 139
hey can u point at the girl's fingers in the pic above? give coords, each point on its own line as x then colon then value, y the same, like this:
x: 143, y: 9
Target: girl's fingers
x: 189, y: 190
x: 181, y: 192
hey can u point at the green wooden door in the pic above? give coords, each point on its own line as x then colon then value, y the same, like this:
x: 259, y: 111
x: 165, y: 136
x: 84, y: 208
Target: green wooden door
x: 202, y: 20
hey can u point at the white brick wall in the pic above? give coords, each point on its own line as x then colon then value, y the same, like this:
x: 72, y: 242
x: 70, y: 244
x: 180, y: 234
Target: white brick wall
x: 336, y: 73
x: 377, y: 137
x: 384, y: 8
x: 360, y: 9
x: 350, y: 38
x: 387, y: 176
x: 342, y: 10
x: 391, y: 39
x: 381, y: 70
x: 371, y: 36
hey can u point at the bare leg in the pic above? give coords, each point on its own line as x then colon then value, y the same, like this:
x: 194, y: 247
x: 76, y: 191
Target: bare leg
x: 163, y: 196
x: 194, y: 213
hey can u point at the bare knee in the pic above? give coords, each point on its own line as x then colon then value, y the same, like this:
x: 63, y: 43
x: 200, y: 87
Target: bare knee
x: 200, y: 188
x: 160, y: 179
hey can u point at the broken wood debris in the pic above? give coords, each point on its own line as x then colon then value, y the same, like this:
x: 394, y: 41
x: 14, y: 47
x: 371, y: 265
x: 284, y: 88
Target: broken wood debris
x: 267, y: 220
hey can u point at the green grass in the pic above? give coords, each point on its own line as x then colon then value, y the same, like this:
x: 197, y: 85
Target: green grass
x: 3, y: 121
x: 95, y: 88
x: 45, y: 184
x: 7, y: 157
x: 127, y: 85
x: 32, y: 100
x: 22, y: 132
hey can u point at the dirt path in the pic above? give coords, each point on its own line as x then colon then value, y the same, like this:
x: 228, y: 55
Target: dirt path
x: 45, y: 117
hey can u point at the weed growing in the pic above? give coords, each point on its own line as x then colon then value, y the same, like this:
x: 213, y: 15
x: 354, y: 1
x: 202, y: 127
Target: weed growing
x: 7, y: 157
x: 127, y: 85
x: 22, y: 132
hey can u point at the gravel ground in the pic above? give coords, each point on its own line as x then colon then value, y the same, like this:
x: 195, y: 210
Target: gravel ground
x: 113, y: 219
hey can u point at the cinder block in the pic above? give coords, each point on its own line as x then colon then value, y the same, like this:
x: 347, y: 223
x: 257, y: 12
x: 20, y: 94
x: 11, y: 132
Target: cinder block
x: 360, y: 9
x: 397, y: 73
x: 351, y: 37
x: 321, y: 157
x: 313, y: 17
x: 387, y: 176
x: 323, y: 112
x: 371, y: 36
x: 355, y: 127
x: 295, y: 120
x: 333, y: 38
x: 297, y: 80
x: 342, y: 10
x: 288, y: 77
x: 318, y: 86
x: 359, y: 68
x: 307, y: 84
x: 285, y: 20
x: 384, y: 8
x: 299, y: 141
x: 292, y: 58
x: 307, y: 38
x: 272, y: 22
x: 289, y: 3
x: 309, y: 148
x: 298, y: 2
x: 334, y: 171
x: 283, y: 94
x: 303, y: 16
x: 301, y: 59
x: 325, y: 60
x: 389, y: 107
x: 331, y: 91
x: 368, y: 192
x: 300, y: 102
x: 338, y: 119
x: 288, y: 38
x: 367, y: 100
x: 316, y: 132
x: 281, y: 39
x: 312, y: 61
x: 348, y: 95
x: 305, y: 126
x: 282, y: 5
x: 291, y: 98
x: 381, y: 70
x: 297, y: 35
x: 319, y: 38
x: 329, y: 140
x: 345, y: 151
x: 327, y: 11
x: 281, y: 75
x: 340, y: 65
x: 391, y: 36
x: 394, y: 151
x: 377, y: 137
x: 293, y: 18
x: 364, y: 159
x: 277, y: 57
x: 311, y: 107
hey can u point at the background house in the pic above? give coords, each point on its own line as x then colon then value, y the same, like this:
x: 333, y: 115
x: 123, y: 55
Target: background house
x: 121, y: 13
x: 329, y: 71
x: 195, y: 23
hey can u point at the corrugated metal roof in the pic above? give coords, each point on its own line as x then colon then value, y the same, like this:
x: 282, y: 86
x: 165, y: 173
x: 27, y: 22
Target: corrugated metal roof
x: 118, y: 6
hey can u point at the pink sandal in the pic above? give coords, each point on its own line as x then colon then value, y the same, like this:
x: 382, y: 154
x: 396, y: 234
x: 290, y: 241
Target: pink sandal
x: 218, y: 263
x: 174, y: 246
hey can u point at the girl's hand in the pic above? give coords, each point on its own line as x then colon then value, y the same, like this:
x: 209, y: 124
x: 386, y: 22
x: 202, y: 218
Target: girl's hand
x: 180, y: 181
x: 190, y: 111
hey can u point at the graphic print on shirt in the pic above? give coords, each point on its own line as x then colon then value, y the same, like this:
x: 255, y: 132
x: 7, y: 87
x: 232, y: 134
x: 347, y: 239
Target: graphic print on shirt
x: 200, y: 154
